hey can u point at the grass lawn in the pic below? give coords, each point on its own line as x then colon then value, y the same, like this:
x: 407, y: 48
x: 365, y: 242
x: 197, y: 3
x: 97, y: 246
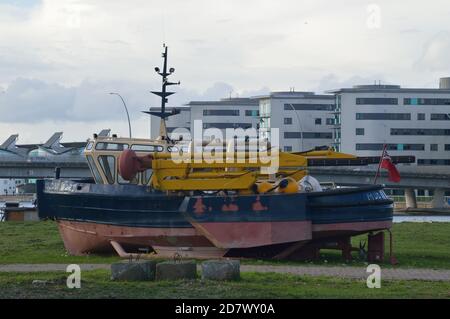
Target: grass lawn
x: 38, y: 242
x: 421, y: 245
x: 97, y: 284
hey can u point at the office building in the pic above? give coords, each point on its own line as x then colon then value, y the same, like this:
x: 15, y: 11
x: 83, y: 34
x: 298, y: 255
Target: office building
x: 304, y: 119
x: 411, y: 121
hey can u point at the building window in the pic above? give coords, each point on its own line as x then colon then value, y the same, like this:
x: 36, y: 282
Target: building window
x: 220, y: 112
x: 418, y: 101
x: 421, y: 116
x: 420, y: 131
x: 433, y: 162
x: 292, y: 135
x: 330, y: 121
x: 440, y: 117
x: 309, y: 107
x: 288, y: 148
x: 317, y: 135
x: 384, y: 116
x: 390, y: 147
x: 376, y: 101
x: 226, y: 125
x: 288, y: 120
x: 359, y: 131
x: 251, y: 113
x: 447, y: 147
x: 312, y: 135
x: 318, y: 121
x: 434, y: 147
x: 420, y: 192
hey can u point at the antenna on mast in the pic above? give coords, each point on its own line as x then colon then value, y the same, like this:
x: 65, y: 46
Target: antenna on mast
x: 163, y: 94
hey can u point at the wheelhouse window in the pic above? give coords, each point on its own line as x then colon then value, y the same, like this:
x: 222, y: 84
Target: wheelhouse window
x: 108, y: 165
x: 103, y: 146
x: 94, y: 170
x: 135, y: 180
x: 146, y: 176
x: 147, y: 148
x: 89, y: 146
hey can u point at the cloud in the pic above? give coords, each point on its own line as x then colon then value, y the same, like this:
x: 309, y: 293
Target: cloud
x: 31, y: 100
x: 436, y: 53
x: 28, y: 100
x: 60, y: 58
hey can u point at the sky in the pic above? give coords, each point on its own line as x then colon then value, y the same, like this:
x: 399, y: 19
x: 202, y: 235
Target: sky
x: 59, y: 59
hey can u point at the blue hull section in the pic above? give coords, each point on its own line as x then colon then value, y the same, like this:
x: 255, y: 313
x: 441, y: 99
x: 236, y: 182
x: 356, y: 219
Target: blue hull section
x: 246, y: 208
x: 122, y: 205
x: 350, y: 205
x: 137, y: 206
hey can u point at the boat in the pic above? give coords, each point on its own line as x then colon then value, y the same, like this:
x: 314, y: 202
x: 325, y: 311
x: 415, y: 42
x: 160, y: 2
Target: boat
x: 142, y: 202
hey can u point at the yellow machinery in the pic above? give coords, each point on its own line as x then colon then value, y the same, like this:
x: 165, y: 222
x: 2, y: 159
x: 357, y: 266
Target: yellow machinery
x: 231, y: 174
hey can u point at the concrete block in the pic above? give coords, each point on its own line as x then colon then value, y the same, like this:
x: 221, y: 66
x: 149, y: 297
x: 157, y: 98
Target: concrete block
x: 133, y: 271
x: 221, y: 270
x: 173, y: 270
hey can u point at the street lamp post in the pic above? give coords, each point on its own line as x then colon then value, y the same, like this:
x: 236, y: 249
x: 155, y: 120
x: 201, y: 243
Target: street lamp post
x: 126, y: 110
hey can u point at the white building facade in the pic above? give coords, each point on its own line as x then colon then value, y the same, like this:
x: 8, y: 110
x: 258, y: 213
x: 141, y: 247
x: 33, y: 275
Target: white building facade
x: 410, y: 121
x: 181, y: 120
x: 223, y: 114
x: 304, y: 119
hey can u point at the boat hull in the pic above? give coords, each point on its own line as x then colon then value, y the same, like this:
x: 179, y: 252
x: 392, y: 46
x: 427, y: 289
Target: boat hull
x: 90, y: 216
x: 288, y: 218
x: 86, y: 237
x: 349, y: 212
x: 249, y: 220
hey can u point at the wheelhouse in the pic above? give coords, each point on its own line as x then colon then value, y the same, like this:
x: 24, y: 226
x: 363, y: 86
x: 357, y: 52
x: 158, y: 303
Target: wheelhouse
x: 102, y: 155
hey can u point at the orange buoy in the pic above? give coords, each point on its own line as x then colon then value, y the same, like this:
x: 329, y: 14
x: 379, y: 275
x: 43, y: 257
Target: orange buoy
x: 264, y: 187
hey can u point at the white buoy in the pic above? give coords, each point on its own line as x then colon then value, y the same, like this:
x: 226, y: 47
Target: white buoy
x: 309, y: 184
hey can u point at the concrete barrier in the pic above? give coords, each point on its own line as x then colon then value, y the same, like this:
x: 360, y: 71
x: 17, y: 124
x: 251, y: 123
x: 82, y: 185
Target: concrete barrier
x: 174, y: 270
x: 221, y: 270
x: 133, y: 271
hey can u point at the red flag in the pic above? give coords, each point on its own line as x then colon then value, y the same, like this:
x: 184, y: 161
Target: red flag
x: 386, y: 162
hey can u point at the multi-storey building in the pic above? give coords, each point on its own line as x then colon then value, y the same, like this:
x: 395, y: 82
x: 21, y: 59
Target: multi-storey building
x: 412, y: 121
x: 304, y: 119
x: 182, y: 121
x: 222, y: 114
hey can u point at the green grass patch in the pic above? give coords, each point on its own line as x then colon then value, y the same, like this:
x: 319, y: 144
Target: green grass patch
x: 421, y: 245
x: 38, y: 242
x: 416, y: 245
x: 97, y: 284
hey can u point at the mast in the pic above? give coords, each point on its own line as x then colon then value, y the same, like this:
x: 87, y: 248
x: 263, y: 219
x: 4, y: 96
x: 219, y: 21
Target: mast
x: 163, y: 94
